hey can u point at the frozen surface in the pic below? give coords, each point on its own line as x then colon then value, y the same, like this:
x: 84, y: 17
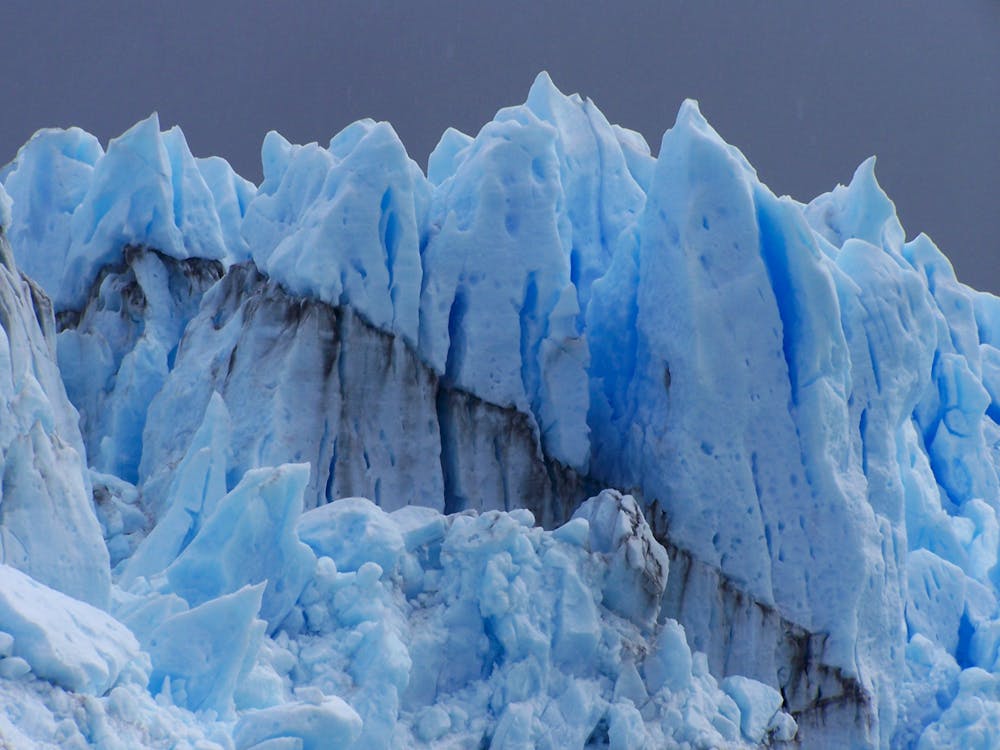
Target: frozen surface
x: 62, y: 639
x: 803, y: 403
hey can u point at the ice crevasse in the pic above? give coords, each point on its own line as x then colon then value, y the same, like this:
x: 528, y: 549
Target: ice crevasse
x: 324, y: 462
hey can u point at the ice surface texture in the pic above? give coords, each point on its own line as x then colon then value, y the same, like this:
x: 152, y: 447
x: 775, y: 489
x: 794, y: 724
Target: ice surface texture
x: 805, y: 405
x: 47, y: 525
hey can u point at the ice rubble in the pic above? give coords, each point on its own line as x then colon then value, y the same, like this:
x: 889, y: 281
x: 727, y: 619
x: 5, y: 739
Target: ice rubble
x: 804, y: 404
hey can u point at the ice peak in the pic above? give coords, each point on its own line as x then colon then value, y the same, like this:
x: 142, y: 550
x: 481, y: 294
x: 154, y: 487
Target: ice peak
x: 446, y: 156
x: 860, y: 210
x: 146, y: 190
x: 544, y: 96
x: 142, y: 139
x: 274, y: 154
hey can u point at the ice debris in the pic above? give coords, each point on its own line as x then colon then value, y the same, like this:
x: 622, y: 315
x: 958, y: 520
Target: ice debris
x: 62, y: 639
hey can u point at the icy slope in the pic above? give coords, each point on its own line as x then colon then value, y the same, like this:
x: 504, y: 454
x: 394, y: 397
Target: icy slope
x: 804, y: 404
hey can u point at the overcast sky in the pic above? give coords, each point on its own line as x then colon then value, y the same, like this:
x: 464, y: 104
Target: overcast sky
x: 806, y: 90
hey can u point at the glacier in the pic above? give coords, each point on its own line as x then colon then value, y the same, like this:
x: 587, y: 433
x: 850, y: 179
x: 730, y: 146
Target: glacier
x: 554, y: 444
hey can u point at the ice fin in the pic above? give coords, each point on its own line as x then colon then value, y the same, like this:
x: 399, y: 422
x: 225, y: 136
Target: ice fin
x: 250, y: 539
x: 201, y: 652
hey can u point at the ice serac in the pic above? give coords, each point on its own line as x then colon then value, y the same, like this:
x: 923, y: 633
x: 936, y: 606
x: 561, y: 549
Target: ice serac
x: 128, y: 334
x: 517, y: 234
x: 125, y: 243
x: 48, y: 181
x: 601, y: 197
x: 147, y: 190
x: 48, y: 528
x: 342, y: 224
x: 775, y: 375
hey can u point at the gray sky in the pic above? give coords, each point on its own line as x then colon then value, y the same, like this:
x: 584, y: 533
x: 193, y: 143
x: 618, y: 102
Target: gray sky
x: 806, y: 90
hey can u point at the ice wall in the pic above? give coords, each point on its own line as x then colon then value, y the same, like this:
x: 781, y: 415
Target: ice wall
x: 804, y: 403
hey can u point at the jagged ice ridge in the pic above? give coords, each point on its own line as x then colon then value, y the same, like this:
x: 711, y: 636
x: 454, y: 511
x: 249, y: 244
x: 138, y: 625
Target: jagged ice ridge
x: 798, y: 408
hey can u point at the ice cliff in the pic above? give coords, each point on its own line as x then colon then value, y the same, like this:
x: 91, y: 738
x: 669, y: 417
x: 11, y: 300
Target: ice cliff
x: 326, y: 462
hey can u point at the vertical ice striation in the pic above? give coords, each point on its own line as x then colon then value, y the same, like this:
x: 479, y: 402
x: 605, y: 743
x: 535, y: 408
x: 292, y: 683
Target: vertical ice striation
x: 499, y: 310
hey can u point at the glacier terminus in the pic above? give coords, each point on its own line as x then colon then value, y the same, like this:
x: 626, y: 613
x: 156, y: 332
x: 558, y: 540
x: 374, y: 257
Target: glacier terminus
x: 554, y: 444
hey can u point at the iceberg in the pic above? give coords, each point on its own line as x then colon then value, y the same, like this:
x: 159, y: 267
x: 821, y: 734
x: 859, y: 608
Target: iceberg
x: 554, y: 444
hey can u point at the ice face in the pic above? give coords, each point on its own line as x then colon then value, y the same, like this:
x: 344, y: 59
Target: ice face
x: 4, y: 209
x: 48, y: 528
x: 804, y: 405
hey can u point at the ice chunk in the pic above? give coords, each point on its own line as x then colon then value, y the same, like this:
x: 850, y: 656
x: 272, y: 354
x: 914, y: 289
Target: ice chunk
x: 144, y: 612
x: 329, y: 723
x: 638, y: 564
x: 626, y: 729
x: 972, y: 721
x: 419, y: 526
x: 14, y: 667
x: 199, y: 655
x: 65, y: 640
x: 353, y: 531
x: 197, y: 486
x: 122, y: 519
x: 669, y: 665
x: 249, y: 539
x: 936, y: 598
x: 433, y: 724
x: 758, y: 704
